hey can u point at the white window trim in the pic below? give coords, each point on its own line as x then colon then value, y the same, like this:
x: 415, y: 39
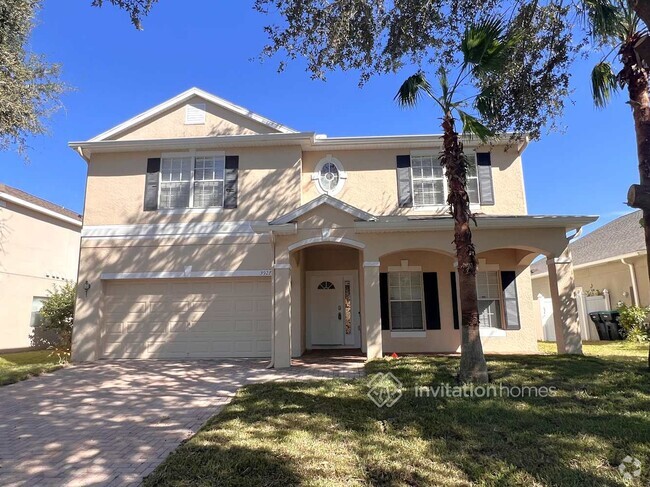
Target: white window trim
x: 408, y: 334
x: 415, y: 331
x: 199, y: 106
x: 431, y: 153
x: 343, y: 176
x: 489, y: 331
x: 192, y: 154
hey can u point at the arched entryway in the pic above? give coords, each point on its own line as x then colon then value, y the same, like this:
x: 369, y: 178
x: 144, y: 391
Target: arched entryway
x: 326, y: 297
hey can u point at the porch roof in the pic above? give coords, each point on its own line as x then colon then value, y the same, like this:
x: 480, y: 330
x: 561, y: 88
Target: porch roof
x: 358, y: 214
x: 428, y: 223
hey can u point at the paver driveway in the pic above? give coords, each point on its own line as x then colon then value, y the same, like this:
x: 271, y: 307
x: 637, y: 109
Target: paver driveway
x: 112, y: 423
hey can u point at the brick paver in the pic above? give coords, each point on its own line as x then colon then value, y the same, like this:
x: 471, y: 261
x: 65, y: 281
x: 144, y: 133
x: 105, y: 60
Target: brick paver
x: 112, y: 423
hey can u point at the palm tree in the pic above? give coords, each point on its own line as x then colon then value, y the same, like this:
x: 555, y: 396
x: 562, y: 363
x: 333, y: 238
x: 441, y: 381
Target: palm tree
x: 616, y: 26
x: 483, y: 50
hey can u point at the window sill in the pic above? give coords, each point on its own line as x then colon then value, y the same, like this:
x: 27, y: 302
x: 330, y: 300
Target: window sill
x: 492, y: 332
x: 408, y: 334
x: 187, y: 211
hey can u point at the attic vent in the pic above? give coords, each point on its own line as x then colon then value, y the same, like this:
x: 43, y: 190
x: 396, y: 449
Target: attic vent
x: 195, y: 114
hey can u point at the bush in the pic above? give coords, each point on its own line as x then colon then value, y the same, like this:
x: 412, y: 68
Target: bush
x: 633, y: 319
x: 57, y: 312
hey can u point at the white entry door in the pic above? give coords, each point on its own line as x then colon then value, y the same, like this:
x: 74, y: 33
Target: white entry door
x: 333, y: 310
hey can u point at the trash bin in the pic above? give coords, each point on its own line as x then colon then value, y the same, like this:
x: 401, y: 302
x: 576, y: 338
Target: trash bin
x: 611, y: 321
x: 601, y: 327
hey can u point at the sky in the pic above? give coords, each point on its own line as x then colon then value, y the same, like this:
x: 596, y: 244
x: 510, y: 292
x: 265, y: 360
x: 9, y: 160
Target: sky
x: 116, y: 72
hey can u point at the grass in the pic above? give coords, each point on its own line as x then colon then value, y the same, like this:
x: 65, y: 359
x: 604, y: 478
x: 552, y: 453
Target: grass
x: 17, y: 366
x: 620, y: 350
x: 329, y: 433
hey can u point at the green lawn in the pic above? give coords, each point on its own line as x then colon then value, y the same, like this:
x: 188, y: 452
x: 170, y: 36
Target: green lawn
x: 615, y: 350
x: 17, y: 366
x: 329, y: 433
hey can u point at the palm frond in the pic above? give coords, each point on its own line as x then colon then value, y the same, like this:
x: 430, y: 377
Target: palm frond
x: 473, y: 127
x: 413, y: 89
x: 604, y: 19
x: 485, y: 44
x: 485, y: 103
x: 603, y: 83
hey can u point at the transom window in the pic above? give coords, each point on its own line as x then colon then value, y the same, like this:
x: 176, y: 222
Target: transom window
x: 405, y: 296
x: 192, y: 181
x: 430, y: 184
x: 326, y: 285
x: 489, y: 299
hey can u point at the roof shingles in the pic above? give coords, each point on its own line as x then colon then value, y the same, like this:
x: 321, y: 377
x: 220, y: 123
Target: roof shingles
x: 619, y: 237
x: 17, y: 193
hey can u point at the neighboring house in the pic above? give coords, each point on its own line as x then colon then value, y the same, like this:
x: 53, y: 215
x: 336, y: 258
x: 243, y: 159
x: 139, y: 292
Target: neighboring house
x: 210, y: 231
x: 39, y: 248
x: 610, y: 260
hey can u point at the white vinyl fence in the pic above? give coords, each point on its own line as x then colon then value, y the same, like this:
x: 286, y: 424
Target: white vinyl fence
x: 586, y: 304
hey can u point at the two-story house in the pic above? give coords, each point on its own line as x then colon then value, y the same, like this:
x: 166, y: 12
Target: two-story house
x: 211, y: 231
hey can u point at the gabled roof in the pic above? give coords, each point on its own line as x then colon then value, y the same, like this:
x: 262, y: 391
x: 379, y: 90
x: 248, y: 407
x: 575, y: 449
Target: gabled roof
x: 617, y: 239
x: 182, y: 98
x: 40, y: 205
x: 325, y: 199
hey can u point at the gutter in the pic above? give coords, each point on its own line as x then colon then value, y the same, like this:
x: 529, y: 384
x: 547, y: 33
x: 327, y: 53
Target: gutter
x: 635, y: 287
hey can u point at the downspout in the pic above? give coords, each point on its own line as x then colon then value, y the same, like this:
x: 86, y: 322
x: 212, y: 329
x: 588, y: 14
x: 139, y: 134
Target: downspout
x: 272, y: 363
x: 635, y: 288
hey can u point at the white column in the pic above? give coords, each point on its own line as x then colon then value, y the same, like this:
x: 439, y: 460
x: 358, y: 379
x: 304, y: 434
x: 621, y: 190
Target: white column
x: 282, y: 316
x: 372, y: 311
x: 565, y: 310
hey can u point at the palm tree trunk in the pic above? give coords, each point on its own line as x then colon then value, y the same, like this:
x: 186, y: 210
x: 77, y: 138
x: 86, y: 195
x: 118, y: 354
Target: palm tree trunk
x: 637, y: 79
x: 473, y: 367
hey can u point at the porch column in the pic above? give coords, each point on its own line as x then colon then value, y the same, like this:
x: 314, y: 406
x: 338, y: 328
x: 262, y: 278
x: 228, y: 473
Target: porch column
x: 372, y: 310
x: 282, y: 316
x: 565, y: 309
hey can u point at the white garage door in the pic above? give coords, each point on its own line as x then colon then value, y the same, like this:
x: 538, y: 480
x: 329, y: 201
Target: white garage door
x: 208, y: 318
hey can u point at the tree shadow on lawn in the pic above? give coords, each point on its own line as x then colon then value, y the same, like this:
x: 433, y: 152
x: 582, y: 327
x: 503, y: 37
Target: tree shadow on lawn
x: 330, y: 433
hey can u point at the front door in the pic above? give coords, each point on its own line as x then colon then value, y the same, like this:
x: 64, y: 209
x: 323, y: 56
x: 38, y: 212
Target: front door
x: 332, y: 310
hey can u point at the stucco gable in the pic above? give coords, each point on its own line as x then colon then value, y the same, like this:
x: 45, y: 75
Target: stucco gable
x: 325, y: 208
x: 168, y: 120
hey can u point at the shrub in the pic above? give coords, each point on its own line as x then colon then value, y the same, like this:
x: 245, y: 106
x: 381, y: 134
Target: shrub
x: 58, y: 313
x: 633, y: 319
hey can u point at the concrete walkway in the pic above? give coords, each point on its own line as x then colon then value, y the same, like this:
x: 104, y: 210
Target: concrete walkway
x: 112, y: 423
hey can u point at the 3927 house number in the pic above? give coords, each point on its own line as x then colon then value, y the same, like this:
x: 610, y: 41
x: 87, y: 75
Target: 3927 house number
x: 266, y: 273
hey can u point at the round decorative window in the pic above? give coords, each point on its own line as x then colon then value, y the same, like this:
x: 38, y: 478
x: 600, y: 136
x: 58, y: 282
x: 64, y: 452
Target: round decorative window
x: 329, y: 176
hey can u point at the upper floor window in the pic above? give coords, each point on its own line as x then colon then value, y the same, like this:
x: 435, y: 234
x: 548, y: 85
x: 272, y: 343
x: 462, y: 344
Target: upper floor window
x: 329, y: 176
x: 192, y: 181
x: 430, y: 184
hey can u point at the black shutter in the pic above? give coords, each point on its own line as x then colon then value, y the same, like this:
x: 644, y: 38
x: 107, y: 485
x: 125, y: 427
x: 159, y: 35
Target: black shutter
x: 152, y: 182
x: 431, y: 300
x: 454, y: 301
x: 509, y: 286
x: 484, y: 172
x: 231, y: 182
x: 404, y: 193
x: 383, y: 299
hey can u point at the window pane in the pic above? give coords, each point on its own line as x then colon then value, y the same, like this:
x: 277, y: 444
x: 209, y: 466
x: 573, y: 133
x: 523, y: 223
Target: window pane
x: 471, y: 165
x: 490, y: 313
x: 406, y: 300
x: 175, y: 195
x: 329, y: 177
x: 472, y: 190
x: 208, y: 194
x: 176, y: 169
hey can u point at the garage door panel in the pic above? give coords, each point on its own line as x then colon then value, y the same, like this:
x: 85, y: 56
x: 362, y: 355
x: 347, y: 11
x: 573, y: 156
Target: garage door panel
x: 217, y: 318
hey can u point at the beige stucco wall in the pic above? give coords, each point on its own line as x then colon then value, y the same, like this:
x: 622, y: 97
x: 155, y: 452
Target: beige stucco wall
x: 613, y: 276
x: 37, y: 252
x: 171, y: 124
x: 372, y: 181
x: 268, y: 182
